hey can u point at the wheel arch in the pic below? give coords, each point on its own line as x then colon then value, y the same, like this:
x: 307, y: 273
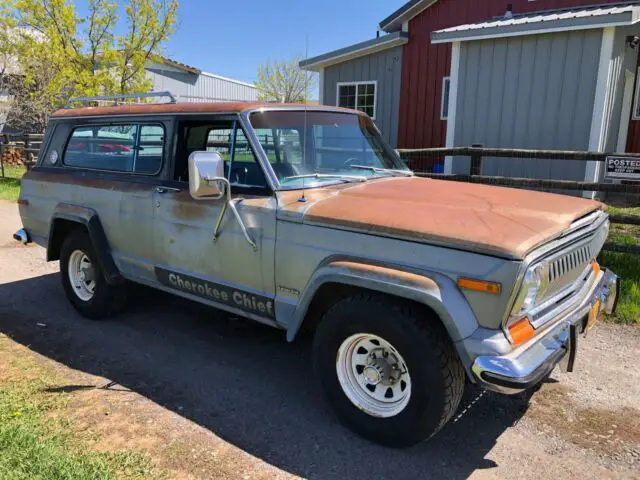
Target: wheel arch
x: 67, y: 218
x: 432, y: 290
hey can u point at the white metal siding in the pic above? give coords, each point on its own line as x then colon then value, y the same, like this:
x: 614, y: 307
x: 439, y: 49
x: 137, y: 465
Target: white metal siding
x: 528, y: 92
x: 383, y: 67
x: 189, y: 87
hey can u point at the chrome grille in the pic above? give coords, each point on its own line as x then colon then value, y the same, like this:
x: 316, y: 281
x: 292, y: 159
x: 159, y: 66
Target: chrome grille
x: 567, y: 263
x: 566, y: 266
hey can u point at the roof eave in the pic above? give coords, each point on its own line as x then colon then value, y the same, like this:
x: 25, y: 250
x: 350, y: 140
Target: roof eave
x: 394, y: 22
x: 561, y: 25
x: 175, y: 64
x: 354, y: 51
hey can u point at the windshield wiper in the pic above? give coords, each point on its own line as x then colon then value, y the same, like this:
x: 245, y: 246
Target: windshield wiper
x: 346, y: 178
x: 395, y: 173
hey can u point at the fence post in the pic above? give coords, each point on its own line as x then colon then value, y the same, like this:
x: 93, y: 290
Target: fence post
x: 476, y: 160
x: 27, y: 145
x: 2, y: 157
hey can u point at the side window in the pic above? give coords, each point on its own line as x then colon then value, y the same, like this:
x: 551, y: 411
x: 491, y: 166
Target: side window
x: 219, y: 140
x: 150, y: 150
x: 226, y: 138
x: 120, y: 148
x: 244, y: 168
x: 444, y: 106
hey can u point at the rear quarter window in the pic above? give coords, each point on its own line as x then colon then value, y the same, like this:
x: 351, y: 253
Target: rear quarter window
x: 129, y: 148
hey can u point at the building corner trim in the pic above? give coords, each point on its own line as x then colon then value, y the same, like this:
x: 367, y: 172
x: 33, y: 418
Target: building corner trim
x: 321, y: 86
x: 453, y: 103
x: 601, y: 103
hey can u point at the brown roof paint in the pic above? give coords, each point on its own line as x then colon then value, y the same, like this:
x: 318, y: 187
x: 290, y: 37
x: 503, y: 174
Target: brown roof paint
x: 195, y: 107
x: 495, y: 220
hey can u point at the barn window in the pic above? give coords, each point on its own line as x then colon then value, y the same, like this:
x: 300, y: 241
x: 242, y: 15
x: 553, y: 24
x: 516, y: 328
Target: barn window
x: 444, y: 106
x: 359, y: 96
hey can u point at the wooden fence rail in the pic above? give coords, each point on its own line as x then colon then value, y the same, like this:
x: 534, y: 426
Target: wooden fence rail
x: 536, y: 183
x: 511, y: 152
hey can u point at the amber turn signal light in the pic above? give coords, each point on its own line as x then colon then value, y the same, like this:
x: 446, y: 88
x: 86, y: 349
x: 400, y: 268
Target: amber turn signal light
x: 596, y: 266
x: 521, y: 331
x: 479, y: 285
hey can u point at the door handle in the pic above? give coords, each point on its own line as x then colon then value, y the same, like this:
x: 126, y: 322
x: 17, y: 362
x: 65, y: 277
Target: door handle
x: 161, y: 189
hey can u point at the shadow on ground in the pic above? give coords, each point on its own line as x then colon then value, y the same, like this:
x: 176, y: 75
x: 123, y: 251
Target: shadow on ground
x: 242, y: 381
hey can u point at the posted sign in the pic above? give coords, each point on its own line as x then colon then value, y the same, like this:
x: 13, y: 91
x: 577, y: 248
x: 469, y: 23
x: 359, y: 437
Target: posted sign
x: 623, y: 167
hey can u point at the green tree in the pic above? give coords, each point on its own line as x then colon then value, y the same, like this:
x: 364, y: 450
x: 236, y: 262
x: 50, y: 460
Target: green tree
x: 285, y: 81
x: 62, y: 55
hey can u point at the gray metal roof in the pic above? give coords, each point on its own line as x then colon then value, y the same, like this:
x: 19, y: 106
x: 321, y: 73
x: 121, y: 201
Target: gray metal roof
x: 577, y: 18
x: 354, y: 51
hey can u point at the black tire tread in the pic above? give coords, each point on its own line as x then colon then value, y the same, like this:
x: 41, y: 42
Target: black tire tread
x: 110, y: 300
x: 413, y: 322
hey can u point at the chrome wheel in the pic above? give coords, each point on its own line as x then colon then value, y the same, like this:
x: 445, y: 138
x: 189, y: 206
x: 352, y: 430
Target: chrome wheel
x: 82, y: 275
x: 373, y: 375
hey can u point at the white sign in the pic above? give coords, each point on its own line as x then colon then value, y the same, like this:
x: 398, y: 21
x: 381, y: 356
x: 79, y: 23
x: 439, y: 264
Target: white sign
x: 623, y: 167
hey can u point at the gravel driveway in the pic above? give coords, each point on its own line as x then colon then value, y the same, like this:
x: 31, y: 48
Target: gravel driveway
x: 223, y: 383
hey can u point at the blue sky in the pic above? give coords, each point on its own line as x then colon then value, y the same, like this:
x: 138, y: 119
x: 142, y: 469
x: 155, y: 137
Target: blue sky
x: 232, y: 38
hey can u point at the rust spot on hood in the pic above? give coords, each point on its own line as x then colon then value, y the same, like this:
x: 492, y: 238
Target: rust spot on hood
x: 494, y: 220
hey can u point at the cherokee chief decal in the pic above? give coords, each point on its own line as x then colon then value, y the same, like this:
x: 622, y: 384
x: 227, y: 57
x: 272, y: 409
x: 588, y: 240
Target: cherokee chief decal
x: 233, y: 297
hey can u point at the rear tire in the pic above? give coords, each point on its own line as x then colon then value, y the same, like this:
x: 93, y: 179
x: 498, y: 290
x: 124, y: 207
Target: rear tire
x: 401, y: 409
x: 84, y: 282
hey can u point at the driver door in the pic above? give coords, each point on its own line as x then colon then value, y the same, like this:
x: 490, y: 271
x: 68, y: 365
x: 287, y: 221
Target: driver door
x: 228, y: 272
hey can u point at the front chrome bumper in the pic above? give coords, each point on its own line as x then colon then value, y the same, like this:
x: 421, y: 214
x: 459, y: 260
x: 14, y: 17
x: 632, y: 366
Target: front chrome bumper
x: 529, y: 364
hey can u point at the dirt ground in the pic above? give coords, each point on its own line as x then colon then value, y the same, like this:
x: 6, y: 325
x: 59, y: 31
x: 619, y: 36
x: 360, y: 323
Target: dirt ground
x: 210, y: 396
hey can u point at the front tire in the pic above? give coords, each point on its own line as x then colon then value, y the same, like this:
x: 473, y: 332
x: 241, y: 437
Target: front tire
x: 389, y: 371
x: 84, y: 282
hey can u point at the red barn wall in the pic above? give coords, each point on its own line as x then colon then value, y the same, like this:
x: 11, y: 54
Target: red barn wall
x: 424, y: 64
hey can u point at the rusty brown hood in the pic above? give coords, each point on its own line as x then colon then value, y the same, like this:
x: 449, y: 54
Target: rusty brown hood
x: 500, y: 221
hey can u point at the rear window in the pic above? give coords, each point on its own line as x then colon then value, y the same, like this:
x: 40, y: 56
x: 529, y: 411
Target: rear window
x: 130, y: 148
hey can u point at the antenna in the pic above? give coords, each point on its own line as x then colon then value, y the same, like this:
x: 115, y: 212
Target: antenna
x: 303, y: 199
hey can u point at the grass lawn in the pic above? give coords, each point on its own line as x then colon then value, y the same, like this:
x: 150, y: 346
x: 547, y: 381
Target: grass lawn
x: 35, y: 433
x: 626, y: 265
x: 624, y: 211
x: 10, y: 183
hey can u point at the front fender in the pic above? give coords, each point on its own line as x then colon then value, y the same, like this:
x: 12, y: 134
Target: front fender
x: 436, y: 291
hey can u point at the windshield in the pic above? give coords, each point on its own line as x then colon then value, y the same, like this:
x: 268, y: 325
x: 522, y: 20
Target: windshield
x: 319, y: 147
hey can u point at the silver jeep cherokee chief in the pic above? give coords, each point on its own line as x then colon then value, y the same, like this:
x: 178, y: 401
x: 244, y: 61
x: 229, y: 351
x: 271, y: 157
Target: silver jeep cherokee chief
x: 306, y: 218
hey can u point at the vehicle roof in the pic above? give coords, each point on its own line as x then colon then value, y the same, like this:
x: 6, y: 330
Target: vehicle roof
x: 195, y: 107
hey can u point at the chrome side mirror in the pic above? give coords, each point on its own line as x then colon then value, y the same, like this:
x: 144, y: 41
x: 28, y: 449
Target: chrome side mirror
x: 207, y: 182
x: 206, y: 176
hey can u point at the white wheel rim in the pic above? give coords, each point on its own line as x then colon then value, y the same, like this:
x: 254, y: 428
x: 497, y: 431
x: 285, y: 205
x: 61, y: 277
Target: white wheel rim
x: 373, y: 375
x: 82, y: 275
